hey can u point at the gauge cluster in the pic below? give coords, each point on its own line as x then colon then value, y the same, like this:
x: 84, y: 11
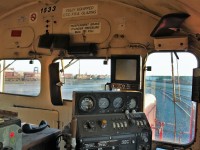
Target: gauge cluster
x: 102, y: 102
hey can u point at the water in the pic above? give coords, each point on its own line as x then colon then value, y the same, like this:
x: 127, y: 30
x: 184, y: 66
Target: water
x: 82, y: 85
x: 28, y: 88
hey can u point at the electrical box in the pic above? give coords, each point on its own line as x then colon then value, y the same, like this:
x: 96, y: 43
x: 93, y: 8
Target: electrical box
x: 10, y: 133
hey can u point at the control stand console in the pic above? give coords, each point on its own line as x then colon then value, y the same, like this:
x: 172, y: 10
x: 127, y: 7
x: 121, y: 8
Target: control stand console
x: 130, y: 131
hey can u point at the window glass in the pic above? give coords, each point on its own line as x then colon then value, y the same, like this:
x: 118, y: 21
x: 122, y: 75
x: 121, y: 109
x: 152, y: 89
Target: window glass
x: 83, y: 75
x: 168, y: 89
x: 21, y: 77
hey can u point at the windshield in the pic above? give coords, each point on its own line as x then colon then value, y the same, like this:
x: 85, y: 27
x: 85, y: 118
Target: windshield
x: 168, y: 104
x: 20, y: 77
x: 84, y: 75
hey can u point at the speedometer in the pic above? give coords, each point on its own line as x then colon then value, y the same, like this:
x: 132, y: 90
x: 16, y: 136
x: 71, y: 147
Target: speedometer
x: 103, y: 103
x: 118, y: 102
x: 87, y: 104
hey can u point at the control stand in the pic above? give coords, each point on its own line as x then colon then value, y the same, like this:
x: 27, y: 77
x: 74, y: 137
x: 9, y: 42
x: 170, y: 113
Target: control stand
x: 130, y: 131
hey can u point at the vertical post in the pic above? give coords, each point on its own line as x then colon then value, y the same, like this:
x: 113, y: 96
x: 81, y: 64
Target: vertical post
x: 79, y: 70
x: 174, y: 94
x: 164, y: 90
x: 162, y: 124
x: 2, y: 66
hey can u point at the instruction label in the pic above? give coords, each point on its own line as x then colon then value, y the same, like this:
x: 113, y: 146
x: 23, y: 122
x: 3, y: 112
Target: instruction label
x: 85, y: 28
x: 88, y: 10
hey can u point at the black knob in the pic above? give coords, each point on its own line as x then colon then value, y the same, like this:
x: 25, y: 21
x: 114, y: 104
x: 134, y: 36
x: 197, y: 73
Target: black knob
x: 89, y: 125
x: 145, y: 139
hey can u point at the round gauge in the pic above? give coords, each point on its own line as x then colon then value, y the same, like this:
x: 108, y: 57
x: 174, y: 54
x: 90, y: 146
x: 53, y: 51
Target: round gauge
x: 87, y: 104
x: 132, y: 103
x: 103, y: 103
x: 118, y: 102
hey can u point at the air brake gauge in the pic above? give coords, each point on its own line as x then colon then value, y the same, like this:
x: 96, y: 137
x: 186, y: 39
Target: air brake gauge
x: 132, y: 103
x: 118, y: 102
x: 103, y: 103
x: 87, y: 104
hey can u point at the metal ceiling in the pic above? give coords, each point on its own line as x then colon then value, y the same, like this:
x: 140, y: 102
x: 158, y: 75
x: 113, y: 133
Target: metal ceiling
x: 155, y: 7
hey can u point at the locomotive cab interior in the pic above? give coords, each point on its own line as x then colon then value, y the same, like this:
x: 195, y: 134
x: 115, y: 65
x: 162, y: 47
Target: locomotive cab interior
x: 85, y: 75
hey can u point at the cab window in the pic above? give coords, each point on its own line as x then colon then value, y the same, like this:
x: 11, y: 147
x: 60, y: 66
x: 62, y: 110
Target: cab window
x: 20, y: 77
x: 83, y: 75
x: 168, y: 89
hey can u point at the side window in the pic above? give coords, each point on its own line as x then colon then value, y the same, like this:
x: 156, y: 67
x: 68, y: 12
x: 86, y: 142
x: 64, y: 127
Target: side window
x: 20, y: 77
x: 83, y: 75
x: 168, y: 105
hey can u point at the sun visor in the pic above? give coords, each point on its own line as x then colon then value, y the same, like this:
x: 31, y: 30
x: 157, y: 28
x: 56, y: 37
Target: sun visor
x: 83, y: 49
x: 169, y: 24
x: 55, y: 86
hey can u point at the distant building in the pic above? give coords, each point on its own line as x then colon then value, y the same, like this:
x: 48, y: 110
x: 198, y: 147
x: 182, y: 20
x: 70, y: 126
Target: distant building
x: 68, y: 76
x: 101, y: 76
x: 83, y: 76
x: 31, y: 76
x: 11, y: 75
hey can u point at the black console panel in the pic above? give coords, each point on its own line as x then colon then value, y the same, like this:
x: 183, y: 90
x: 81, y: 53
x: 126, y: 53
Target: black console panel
x: 106, y: 102
x: 109, y: 120
x: 130, y: 131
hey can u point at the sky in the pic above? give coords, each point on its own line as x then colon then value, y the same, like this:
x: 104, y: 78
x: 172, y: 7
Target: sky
x: 88, y: 66
x: 24, y: 65
x: 161, y: 64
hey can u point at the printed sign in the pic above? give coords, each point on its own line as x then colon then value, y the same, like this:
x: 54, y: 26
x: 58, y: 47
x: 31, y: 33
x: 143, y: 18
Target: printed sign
x: 88, y: 10
x: 33, y: 17
x: 85, y: 28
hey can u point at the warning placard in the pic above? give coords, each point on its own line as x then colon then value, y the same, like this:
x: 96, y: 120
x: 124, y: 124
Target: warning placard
x: 85, y: 28
x: 88, y: 10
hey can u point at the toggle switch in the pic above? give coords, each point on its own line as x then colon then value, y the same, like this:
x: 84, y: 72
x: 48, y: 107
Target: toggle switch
x: 114, y: 125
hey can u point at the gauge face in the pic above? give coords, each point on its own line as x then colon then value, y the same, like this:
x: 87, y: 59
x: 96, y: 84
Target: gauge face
x: 118, y: 102
x: 103, y: 103
x: 87, y: 104
x: 132, y: 103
